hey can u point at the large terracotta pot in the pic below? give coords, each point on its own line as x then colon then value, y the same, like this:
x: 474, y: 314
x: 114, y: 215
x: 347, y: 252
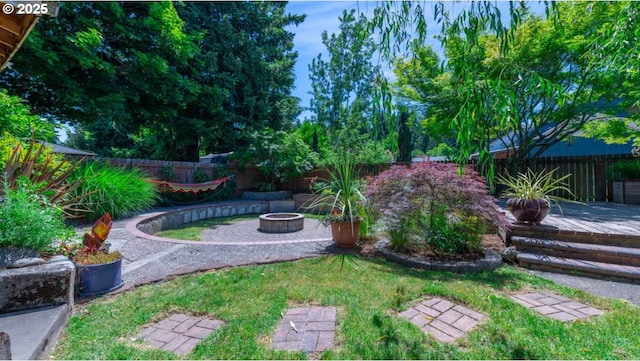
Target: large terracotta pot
x: 532, y: 211
x: 345, y: 234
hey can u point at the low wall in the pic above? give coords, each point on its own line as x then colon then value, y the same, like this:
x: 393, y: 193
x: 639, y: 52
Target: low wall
x: 50, y: 284
x: 170, y: 220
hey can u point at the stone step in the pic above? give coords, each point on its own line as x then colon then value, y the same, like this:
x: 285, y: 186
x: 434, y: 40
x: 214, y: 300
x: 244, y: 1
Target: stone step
x: 550, y: 232
x: 33, y: 333
x: 581, y: 251
x: 612, y: 272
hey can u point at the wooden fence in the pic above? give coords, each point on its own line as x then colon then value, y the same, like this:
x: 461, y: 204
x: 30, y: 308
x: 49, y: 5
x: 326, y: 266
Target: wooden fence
x: 180, y: 172
x: 589, y: 179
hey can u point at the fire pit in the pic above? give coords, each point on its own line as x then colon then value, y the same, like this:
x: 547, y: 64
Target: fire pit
x: 281, y: 222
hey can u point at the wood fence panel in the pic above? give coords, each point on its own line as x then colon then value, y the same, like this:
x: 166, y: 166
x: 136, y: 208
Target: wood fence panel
x: 589, y: 181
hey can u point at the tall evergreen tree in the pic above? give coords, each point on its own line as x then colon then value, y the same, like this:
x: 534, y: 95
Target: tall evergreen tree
x: 149, y: 80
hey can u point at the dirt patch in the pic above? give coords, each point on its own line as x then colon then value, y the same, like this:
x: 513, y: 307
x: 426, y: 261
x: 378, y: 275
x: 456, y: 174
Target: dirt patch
x: 493, y: 242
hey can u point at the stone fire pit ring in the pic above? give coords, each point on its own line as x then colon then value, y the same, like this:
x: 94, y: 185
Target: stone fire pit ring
x: 281, y: 222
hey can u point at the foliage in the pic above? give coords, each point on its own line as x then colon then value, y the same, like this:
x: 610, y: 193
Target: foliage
x: 345, y: 96
x: 200, y: 176
x: 17, y: 120
x: 342, y: 193
x: 512, y: 71
x: 279, y: 155
x: 94, y: 242
x: 442, y: 149
x: 536, y: 186
x: 433, y: 204
x: 114, y: 190
x: 625, y: 169
x: 95, y: 250
x: 613, y: 49
x: 47, y: 174
x: 28, y: 219
x: 168, y: 173
x: 157, y: 79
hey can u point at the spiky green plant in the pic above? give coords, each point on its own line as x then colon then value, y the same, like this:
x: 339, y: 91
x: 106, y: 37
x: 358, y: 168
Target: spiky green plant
x: 541, y: 185
x: 342, y: 192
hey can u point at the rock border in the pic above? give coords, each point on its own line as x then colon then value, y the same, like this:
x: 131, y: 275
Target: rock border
x: 489, y: 262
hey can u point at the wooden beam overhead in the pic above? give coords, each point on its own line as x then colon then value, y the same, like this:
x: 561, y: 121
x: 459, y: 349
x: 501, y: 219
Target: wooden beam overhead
x: 9, y: 24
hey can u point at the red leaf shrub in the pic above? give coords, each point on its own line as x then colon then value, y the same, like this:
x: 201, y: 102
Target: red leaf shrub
x: 433, y: 202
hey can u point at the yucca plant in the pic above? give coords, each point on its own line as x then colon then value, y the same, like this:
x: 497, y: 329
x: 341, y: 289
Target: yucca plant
x: 341, y: 193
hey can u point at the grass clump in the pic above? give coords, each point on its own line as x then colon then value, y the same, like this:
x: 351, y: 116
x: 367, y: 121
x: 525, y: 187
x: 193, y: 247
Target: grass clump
x: 114, y: 190
x: 368, y: 294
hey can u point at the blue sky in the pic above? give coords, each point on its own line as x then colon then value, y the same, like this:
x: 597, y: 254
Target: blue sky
x: 321, y: 15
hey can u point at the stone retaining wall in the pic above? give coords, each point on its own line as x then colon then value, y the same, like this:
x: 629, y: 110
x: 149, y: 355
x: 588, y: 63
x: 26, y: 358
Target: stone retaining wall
x: 170, y: 220
x: 50, y: 284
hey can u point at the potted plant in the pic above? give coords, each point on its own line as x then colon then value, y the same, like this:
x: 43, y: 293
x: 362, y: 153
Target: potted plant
x: 530, y: 194
x: 341, y: 195
x: 98, y: 270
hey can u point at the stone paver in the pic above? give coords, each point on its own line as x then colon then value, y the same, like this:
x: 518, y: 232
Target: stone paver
x: 178, y: 333
x: 556, y: 306
x: 443, y: 319
x: 310, y: 329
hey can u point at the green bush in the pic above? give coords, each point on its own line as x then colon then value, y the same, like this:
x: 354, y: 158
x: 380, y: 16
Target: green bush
x: 279, y: 155
x: 114, y: 190
x: 29, y: 221
x: 626, y: 169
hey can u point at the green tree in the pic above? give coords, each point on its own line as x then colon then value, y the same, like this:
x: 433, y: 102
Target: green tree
x: 154, y: 79
x: 17, y: 120
x: 615, y: 50
x: 496, y: 65
x: 343, y: 87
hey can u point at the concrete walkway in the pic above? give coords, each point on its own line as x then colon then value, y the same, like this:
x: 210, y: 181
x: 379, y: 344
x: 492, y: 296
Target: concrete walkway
x: 148, y: 261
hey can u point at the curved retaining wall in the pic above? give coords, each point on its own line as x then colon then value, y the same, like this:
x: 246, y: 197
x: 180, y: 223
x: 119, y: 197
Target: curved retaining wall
x: 155, y: 223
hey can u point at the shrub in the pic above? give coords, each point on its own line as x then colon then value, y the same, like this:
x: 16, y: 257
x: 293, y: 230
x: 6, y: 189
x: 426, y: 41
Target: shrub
x: 625, y: 169
x: 279, y: 155
x: 45, y: 173
x: 114, y: 190
x: 28, y: 220
x: 435, y: 205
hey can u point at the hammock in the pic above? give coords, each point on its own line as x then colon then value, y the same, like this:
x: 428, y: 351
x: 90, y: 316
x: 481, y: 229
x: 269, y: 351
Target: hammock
x: 164, y: 186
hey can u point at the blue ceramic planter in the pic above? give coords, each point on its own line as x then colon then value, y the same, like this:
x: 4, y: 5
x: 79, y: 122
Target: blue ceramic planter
x: 98, y: 279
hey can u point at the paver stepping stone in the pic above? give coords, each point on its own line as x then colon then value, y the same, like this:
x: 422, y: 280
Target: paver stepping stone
x: 310, y: 329
x: 442, y: 319
x: 178, y: 333
x: 556, y: 306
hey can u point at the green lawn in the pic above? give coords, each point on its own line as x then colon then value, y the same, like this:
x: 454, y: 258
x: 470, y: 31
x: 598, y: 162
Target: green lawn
x: 368, y: 294
x: 192, y: 231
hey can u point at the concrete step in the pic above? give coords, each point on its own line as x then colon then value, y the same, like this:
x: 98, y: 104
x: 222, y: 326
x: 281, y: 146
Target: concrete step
x: 601, y: 270
x: 550, y: 232
x: 34, y: 332
x: 581, y: 251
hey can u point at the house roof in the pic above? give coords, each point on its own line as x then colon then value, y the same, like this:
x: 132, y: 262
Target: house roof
x: 67, y: 150
x: 575, y: 145
x: 15, y: 28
